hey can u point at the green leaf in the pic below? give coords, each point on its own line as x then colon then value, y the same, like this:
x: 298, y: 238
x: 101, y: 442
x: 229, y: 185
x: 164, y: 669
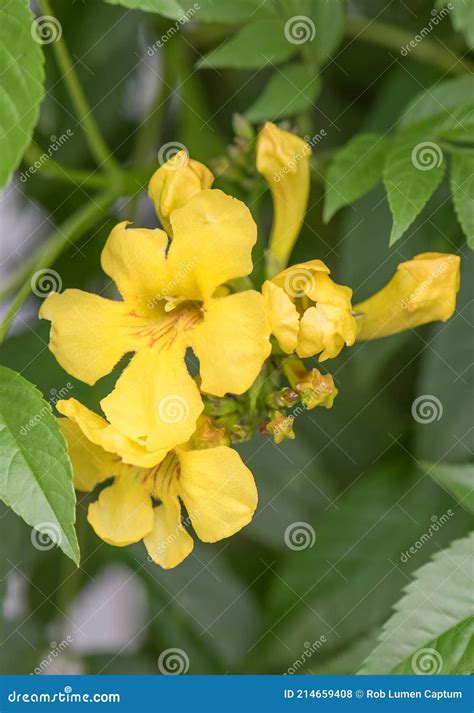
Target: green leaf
x: 329, y: 19
x: 344, y: 586
x: 462, y: 187
x: 35, y: 470
x: 21, y: 83
x: 255, y: 45
x: 438, y: 101
x: 462, y: 18
x: 412, y: 173
x: 168, y: 8
x: 431, y: 630
x: 356, y: 169
x: 291, y: 90
x: 457, y: 479
x: 230, y: 11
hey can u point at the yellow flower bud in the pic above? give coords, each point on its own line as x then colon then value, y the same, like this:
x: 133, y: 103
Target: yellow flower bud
x: 309, y: 313
x: 422, y: 290
x: 281, y: 427
x: 283, y: 160
x: 175, y: 183
x: 313, y: 388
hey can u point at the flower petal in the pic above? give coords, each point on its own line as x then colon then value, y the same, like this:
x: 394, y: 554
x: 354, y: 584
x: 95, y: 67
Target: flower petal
x: 283, y: 316
x: 135, y: 258
x: 324, y: 330
x: 90, y: 463
x: 232, y: 342
x: 123, y: 514
x: 155, y: 400
x: 168, y: 543
x: 89, y: 334
x: 213, y: 236
x: 218, y: 491
x: 99, y: 432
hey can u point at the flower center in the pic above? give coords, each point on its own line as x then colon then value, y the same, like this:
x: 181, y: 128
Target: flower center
x: 178, y: 319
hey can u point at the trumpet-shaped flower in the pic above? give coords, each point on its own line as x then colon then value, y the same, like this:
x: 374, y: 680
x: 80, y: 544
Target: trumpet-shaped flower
x: 145, y: 500
x: 283, y: 160
x: 171, y: 301
x: 309, y: 313
x: 422, y: 290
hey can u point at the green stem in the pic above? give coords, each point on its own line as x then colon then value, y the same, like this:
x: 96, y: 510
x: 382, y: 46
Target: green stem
x: 68, y: 233
x: 391, y: 37
x: 97, y: 144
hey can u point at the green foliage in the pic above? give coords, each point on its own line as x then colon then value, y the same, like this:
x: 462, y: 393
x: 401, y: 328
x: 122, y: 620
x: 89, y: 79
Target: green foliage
x: 462, y: 187
x: 411, y: 176
x: 35, y: 470
x: 256, y: 45
x: 360, y: 543
x: 432, y: 628
x: 21, y: 82
x: 456, y: 479
x: 413, y: 161
x: 291, y: 89
x: 356, y: 169
x: 168, y: 8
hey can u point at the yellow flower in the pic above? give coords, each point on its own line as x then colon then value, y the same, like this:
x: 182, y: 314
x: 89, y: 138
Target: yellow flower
x: 172, y: 301
x: 145, y: 499
x: 309, y: 313
x: 175, y: 183
x: 422, y: 290
x: 283, y: 160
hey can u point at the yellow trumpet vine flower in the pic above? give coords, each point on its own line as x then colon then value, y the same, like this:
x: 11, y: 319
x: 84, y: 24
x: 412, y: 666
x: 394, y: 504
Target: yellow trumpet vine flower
x: 145, y: 499
x: 171, y: 301
x: 283, y: 160
x: 309, y: 313
x: 422, y: 290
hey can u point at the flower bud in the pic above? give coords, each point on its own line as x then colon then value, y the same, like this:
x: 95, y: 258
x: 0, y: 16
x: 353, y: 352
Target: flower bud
x: 283, y: 160
x: 175, y: 183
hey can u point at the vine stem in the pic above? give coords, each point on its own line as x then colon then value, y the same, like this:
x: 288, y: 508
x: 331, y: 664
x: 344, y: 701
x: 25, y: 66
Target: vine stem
x: 97, y: 143
x: 69, y: 232
x: 384, y: 35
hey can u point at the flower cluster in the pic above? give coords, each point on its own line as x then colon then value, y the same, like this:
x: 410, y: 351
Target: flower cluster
x: 211, y: 364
